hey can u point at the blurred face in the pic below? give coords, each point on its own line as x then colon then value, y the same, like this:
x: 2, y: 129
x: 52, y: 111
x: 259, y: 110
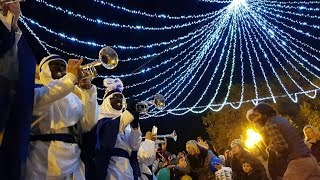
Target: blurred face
x: 164, y: 146
x: 57, y: 69
x: 116, y: 101
x: 309, y: 133
x: 226, y: 153
x: 182, y: 162
x: 191, y: 151
x: 200, y: 140
x: 205, y: 144
x: 255, y: 116
x: 180, y: 155
x: 235, y: 149
x: 218, y: 166
x: 246, y: 167
x: 230, y: 153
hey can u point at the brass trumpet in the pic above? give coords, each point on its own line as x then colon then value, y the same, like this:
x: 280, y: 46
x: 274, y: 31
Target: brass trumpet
x: 158, y: 101
x: 173, y: 135
x: 108, y: 58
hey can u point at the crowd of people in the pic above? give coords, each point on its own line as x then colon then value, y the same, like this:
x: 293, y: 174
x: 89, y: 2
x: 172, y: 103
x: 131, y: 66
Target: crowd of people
x: 72, y: 137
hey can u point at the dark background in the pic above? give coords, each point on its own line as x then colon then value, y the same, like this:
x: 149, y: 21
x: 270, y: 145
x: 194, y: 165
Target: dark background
x: 188, y: 126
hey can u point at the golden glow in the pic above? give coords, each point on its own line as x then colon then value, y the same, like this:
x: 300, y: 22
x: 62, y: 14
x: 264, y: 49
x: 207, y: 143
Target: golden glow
x: 252, y: 138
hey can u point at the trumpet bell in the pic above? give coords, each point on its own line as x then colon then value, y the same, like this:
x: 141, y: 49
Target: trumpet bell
x: 174, y: 135
x: 159, y: 101
x: 154, y: 130
x: 108, y: 57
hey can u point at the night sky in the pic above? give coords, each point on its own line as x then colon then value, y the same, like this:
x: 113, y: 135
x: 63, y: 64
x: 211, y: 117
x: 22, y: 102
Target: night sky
x: 188, y: 126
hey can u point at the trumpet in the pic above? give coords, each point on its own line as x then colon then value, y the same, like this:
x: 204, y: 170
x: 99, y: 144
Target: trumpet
x: 173, y: 135
x: 158, y: 101
x: 108, y: 58
x: 160, y: 141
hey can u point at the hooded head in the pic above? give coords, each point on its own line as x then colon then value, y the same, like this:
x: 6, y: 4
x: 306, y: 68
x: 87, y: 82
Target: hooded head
x: 51, y: 67
x: 113, y: 101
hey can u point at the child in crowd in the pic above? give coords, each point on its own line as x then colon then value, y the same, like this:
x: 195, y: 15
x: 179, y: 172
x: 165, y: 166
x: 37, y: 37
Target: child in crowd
x: 222, y: 173
x: 249, y: 171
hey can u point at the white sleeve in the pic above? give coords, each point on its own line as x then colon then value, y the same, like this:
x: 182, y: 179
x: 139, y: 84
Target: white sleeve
x: 90, y: 108
x: 46, y: 95
x: 135, y: 139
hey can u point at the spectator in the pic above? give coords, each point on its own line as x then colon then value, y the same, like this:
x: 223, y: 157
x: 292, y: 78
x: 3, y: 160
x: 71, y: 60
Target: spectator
x: 249, y: 170
x: 198, y: 161
x: 223, y: 159
x: 228, y: 156
x: 176, y: 173
x: 312, y: 140
x: 207, y: 144
x: 239, y: 154
x: 282, y: 138
x: 222, y: 173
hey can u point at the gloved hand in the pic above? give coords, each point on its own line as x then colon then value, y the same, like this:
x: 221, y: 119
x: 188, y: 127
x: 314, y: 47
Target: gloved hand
x: 131, y: 107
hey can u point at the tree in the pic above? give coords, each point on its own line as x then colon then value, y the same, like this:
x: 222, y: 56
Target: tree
x: 228, y: 124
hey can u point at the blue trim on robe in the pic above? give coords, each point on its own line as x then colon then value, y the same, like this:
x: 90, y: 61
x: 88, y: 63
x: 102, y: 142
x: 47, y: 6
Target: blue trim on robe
x: 135, y: 165
x: 13, y: 151
x: 97, y: 146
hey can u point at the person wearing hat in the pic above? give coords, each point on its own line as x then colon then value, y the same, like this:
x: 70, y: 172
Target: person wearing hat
x: 239, y: 154
x: 116, y: 137
x: 60, y: 117
x: 222, y: 173
x: 283, y: 139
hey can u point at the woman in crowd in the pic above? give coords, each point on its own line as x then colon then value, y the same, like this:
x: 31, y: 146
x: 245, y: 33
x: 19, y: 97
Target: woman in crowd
x: 198, y: 161
x: 240, y: 154
x: 312, y: 140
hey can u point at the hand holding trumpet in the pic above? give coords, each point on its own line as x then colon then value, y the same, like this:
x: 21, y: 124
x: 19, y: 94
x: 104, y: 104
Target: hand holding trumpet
x: 74, y: 67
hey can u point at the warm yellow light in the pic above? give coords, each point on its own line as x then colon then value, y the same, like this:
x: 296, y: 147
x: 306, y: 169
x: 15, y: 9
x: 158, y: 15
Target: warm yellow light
x: 252, y: 138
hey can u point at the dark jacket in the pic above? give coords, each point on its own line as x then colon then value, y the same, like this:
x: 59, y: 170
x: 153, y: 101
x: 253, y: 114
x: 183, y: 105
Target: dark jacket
x: 315, y: 150
x: 199, y: 166
x: 254, y: 175
x: 236, y: 165
x: 276, y: 165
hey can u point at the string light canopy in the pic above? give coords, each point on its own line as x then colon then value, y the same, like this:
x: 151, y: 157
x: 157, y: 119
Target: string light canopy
x: 271, y: 45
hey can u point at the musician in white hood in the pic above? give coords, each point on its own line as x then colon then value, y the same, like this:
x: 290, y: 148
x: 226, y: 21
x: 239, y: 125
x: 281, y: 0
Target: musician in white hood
x: 61, y: 116
x: 128, y: 137
x: 147, y: 156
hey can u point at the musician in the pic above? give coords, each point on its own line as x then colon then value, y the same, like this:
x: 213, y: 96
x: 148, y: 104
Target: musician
x: 60, y: 116
x: 147, y: 156
x: 17, y: 64
x: 119, y: 135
